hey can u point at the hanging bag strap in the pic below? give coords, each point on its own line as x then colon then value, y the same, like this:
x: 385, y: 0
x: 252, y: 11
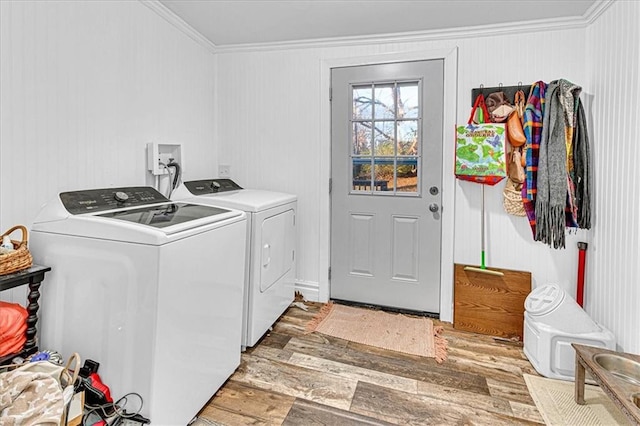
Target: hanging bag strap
x: 484, y: 112
x: 519, y: 102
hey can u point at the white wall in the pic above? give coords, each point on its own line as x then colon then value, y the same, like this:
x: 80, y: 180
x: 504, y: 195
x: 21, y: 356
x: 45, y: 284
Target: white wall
x: 613, y: 275
x: 84, y: 87
x: 271, y: 133
x: 270, y: 107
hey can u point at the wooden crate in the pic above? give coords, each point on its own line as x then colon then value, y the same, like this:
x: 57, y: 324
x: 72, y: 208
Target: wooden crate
x: 490, y: 304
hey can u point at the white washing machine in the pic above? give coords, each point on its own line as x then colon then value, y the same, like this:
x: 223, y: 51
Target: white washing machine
x: 271, y: 245
x: 149, y: 288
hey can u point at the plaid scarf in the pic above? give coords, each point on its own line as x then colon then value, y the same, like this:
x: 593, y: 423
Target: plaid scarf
x: 533, y: 115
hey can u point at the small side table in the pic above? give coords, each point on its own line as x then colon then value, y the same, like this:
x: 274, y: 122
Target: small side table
x: 33, y: 277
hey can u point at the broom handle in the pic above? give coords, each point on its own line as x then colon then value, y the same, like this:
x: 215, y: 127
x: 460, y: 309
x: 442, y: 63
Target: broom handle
x: 482, y: 264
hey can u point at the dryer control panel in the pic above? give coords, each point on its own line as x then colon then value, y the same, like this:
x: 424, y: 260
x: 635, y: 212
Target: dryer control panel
x: 97, y: 200
x: 211, y: 186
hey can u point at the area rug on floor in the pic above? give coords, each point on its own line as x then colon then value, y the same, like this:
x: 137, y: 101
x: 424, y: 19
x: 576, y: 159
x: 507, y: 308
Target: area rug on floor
x: 396, y: 332
x: 556, y: 404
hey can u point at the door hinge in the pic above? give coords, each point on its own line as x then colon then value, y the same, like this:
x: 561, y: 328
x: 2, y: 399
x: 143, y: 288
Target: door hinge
x: 330, y: 93
x: 329, y: 274
x: 330, y: 185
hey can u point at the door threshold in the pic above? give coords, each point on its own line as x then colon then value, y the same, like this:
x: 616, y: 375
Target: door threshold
x: 386, y: 308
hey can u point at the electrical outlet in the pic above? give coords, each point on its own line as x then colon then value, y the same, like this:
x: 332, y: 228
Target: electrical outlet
x: 224, y: 171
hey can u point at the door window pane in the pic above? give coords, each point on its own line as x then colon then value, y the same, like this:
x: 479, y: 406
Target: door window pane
x: 408, y: 100
x: 384, y: 136
x: 362, y: 102
x: 408, y: 137
x: 361, y: 174
x: 406, y: 175
x: 385, y: 102
x: 362, y: 138
x: 383, y: 177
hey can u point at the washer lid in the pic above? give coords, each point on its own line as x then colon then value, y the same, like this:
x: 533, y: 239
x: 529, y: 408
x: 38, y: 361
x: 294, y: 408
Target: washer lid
x: 129, y: 214
x: 170, y: 216
x: 544, y: 299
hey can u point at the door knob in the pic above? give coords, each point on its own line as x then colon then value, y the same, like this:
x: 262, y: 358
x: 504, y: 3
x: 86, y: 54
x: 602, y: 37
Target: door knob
x: 433, y: 207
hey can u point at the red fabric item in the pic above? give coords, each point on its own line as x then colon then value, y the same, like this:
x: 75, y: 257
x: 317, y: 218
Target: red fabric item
x: 13, y: 326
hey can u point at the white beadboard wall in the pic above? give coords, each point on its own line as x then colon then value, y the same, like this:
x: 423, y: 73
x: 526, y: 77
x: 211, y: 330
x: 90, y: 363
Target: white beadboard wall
x: 613, y: 275
x: 84, y: 87
x: 270, y: 133
x: 270, y: 104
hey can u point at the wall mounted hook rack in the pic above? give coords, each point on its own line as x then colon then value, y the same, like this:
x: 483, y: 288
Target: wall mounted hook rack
x: 509, y: 91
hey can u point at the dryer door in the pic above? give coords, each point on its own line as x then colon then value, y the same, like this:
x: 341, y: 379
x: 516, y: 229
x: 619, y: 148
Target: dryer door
x: 276, y: 247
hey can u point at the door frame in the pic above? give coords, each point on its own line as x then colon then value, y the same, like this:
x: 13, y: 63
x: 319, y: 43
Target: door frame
x: 450, y: 57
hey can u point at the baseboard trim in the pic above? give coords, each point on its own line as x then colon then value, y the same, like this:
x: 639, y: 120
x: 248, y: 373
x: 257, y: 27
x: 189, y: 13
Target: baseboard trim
x: 309, y: 289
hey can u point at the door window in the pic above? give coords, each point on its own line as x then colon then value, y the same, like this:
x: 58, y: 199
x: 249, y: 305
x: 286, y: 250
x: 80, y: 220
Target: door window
x: 386, y: 145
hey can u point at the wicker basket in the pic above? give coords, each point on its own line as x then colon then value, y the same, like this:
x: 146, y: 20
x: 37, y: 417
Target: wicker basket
x: 18, y: 259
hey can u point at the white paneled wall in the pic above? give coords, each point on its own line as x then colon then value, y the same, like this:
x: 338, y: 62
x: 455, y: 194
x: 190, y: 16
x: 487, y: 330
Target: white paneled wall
x: 84, y: 86
x: 613, y: 275
x: 270, y: 106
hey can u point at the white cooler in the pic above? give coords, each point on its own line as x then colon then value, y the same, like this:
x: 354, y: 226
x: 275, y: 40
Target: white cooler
x: 552, y: 322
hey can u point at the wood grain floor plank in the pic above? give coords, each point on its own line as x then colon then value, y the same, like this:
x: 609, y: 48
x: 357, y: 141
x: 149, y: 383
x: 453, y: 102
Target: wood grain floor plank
x: 220, y: 416
x: 355, y: 373
x: 471, y: 363
x: 526, y: 412
x: 275, y: 340
x: 311, y: 414
x: 266, y: 407
x: 407, y: 409
x: 271, y: 353
x: 472, y: 399
x: 512, y: 391
x: 481, y: 343
x: 325, y: 388
x: 424, y: 369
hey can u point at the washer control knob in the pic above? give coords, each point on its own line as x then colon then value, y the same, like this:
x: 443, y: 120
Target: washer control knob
x: 215, y: 186
x: 120, y: 196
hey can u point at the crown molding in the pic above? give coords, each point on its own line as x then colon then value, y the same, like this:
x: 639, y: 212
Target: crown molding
x: 596, y: 10
x: 406, y: 37
x: 418, y: 36
x: 166, y: 13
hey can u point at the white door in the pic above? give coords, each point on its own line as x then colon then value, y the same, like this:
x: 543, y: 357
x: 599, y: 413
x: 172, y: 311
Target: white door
x: 386, y: 168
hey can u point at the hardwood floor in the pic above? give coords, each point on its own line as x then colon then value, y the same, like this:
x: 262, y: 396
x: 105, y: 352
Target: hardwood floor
x: 293, y: 378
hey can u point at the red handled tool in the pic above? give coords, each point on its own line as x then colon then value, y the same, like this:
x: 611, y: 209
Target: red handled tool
x: 582, y: 250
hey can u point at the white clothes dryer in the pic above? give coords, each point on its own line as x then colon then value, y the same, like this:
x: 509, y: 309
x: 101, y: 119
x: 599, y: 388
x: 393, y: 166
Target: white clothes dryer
x: 271, y: 246
x: 149, y: 288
